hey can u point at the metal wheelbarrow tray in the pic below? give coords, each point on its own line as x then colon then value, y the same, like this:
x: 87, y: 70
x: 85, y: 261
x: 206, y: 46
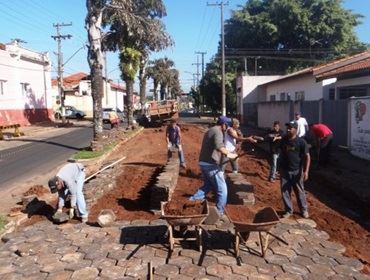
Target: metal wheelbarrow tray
x: 263, y: 221
x: 185, y: 221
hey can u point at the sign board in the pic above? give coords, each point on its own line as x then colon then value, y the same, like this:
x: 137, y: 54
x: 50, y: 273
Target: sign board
x: 360, y: 127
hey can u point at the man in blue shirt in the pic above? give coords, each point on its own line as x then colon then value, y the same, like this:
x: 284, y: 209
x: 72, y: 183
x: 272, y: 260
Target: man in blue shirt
x: 173, y: 138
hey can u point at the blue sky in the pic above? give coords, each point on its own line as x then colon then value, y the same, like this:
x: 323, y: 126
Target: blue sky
x: 193, y: 25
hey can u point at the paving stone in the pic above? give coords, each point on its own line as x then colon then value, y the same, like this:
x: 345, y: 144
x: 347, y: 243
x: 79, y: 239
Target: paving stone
x: 190, y: 253
x: 320, y: 269
x: 207, y: 277
x: 140, y: 222
x: 277, y: 259
x: 328, y: 252
x: 52, y: 267
x: 66, y: 250
x: 37, y: 276
x: 7, y: 268
x: 111, y: 247
x: 29, y: 270
x: 45, y: 259
x: 73, y: 266
x: 227, y: 260
x: 287, y: 276
x: 133, y: 262
x: 219, y: 270
x: 113, y: 272
x: 303, y: 261
x: 96, y: 254
x: 295, y: 269
x: 216, y: 252
x: 61, y: 275
x: 354, y: 263
x: 319, y: 234
x: 180, y: 261
x: 260, y: 277
x: 192, y: 270
x: 104, y: 262
x: 345, y: 270
x: 309, y: 222
x: 167, y: 270
x: 144, y: 252
x: 298, y: 231
x: 162, y: 253
x: 324, y: 260
x: 340, y: 277
x: 362, y: 277
x: 252, y: 259
x: 86, y: 273
x: 315, y: 276
x: 206, y: 261
x: 270, y: 269
x: 305, y: 251
x: 72, y: 257
x: 11, y: 276
x: 332, y: 245
x: 284, y: 251
x: 244, y: 269
x: 118, y: 255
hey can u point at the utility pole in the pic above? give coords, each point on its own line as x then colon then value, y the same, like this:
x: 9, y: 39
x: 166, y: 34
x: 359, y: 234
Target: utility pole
x: 197, y: 64
x: 221, y: 5
x: 200, y: 93
x: 59, y: 38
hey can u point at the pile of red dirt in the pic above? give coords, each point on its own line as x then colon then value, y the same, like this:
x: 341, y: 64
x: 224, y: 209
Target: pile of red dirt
x: 37, y: 190
x: 240, y: 213
x: 187, y: 208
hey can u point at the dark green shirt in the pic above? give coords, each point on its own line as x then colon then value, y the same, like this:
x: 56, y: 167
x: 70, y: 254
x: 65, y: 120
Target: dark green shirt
x: 293, y: 153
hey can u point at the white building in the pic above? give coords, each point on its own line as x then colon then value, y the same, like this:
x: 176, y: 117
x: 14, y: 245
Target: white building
x: 77, y: 91
x: 25, y: 85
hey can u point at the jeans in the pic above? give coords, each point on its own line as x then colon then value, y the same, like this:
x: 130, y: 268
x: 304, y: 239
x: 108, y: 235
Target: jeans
x: 273, y: 166
x: 214, y: 180
x: 172, y: 145
x: 77, y: 199
x: 325, y: 149
x: 293, y: 180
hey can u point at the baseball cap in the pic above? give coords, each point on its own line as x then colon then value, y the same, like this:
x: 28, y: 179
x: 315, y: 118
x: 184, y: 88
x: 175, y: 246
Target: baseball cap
x: 292, y: 124
x: 223, y: 120
x: 53, y: 184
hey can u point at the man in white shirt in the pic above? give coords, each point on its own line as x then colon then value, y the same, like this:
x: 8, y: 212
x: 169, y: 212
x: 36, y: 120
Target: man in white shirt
x: 302, y: 125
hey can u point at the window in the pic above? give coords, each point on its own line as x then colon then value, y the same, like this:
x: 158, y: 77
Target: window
x: 2, y: 87
x: 272, y: 97
x: 348, y: 92
x: 299, y: 95
x: 332, y: 94
x: 24, y: 88
x: 282, y: 96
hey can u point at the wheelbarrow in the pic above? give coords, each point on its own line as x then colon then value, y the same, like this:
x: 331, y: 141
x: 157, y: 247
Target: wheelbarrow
x: 185, y: 221
x: 262, y: 222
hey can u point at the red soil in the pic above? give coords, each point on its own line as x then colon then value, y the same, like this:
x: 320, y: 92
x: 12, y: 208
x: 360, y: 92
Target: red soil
x: 188, y: 208
x: 37, y: 190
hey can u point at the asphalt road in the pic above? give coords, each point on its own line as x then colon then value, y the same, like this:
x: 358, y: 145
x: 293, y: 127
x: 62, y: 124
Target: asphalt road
x: 41, y: 156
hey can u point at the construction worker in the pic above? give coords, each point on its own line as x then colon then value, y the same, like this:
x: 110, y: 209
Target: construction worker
x: 322, y: 140
x: 274, y: 137
x: 211, y: 156
x: 69, y: 181
x: 294, y: 166
x: 302, y: 125
x: 232, y: 137
x: 173, y: 138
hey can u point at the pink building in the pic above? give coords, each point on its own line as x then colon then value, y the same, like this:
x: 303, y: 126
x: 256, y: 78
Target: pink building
x: 25, y: 84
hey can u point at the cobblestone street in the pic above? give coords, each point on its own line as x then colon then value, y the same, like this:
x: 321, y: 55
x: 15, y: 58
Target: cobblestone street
x: 79, y: 251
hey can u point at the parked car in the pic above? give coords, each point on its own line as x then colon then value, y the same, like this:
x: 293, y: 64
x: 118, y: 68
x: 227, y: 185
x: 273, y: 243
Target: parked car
x: 110, y: 116
x: 121, y: 114
x: 70, y: 113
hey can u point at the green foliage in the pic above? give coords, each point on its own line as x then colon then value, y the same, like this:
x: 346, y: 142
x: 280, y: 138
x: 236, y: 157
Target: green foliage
x: 129, y: 63
x: 303, y: 29
x: 86, y: 154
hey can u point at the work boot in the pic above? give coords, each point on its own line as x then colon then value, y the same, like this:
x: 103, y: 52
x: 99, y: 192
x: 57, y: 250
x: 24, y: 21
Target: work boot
x: 305, y: 214
x: 287, y: 215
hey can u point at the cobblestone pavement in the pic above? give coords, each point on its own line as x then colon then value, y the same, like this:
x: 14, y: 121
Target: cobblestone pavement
x: 80, y: 251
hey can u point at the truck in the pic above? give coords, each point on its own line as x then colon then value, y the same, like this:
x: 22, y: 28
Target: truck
x: 159, y: 111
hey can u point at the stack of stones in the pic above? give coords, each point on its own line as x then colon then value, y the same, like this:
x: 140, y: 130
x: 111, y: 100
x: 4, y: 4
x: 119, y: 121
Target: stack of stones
x: 95, y: 189
x: 240, y: 189
x: 166, y: 183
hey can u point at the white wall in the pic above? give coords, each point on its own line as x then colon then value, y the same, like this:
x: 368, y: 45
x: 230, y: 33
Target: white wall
x: 14, y: 69
x: 307, y: 83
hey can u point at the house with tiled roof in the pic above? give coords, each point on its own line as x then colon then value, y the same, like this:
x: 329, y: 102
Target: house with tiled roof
x: 264, y: 99
x: 25, y: 84
x: 77, y: 91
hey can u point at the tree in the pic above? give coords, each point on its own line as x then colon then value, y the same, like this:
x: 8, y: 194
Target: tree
x: 308, y: 30
x: 152, y: 38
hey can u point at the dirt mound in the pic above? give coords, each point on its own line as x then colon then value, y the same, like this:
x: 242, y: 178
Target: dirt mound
x: 37, y: 190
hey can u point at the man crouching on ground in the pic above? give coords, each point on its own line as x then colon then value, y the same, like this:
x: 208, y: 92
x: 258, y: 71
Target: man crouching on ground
x: 69, y: 181
x: 210, y: 161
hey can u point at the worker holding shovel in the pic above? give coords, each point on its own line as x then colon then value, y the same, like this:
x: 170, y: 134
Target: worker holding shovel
x: 69, y: 181
x: 173, y: 138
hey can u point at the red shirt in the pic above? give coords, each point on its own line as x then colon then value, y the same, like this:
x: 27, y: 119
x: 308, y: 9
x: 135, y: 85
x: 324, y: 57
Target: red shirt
x: 321, y: 130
